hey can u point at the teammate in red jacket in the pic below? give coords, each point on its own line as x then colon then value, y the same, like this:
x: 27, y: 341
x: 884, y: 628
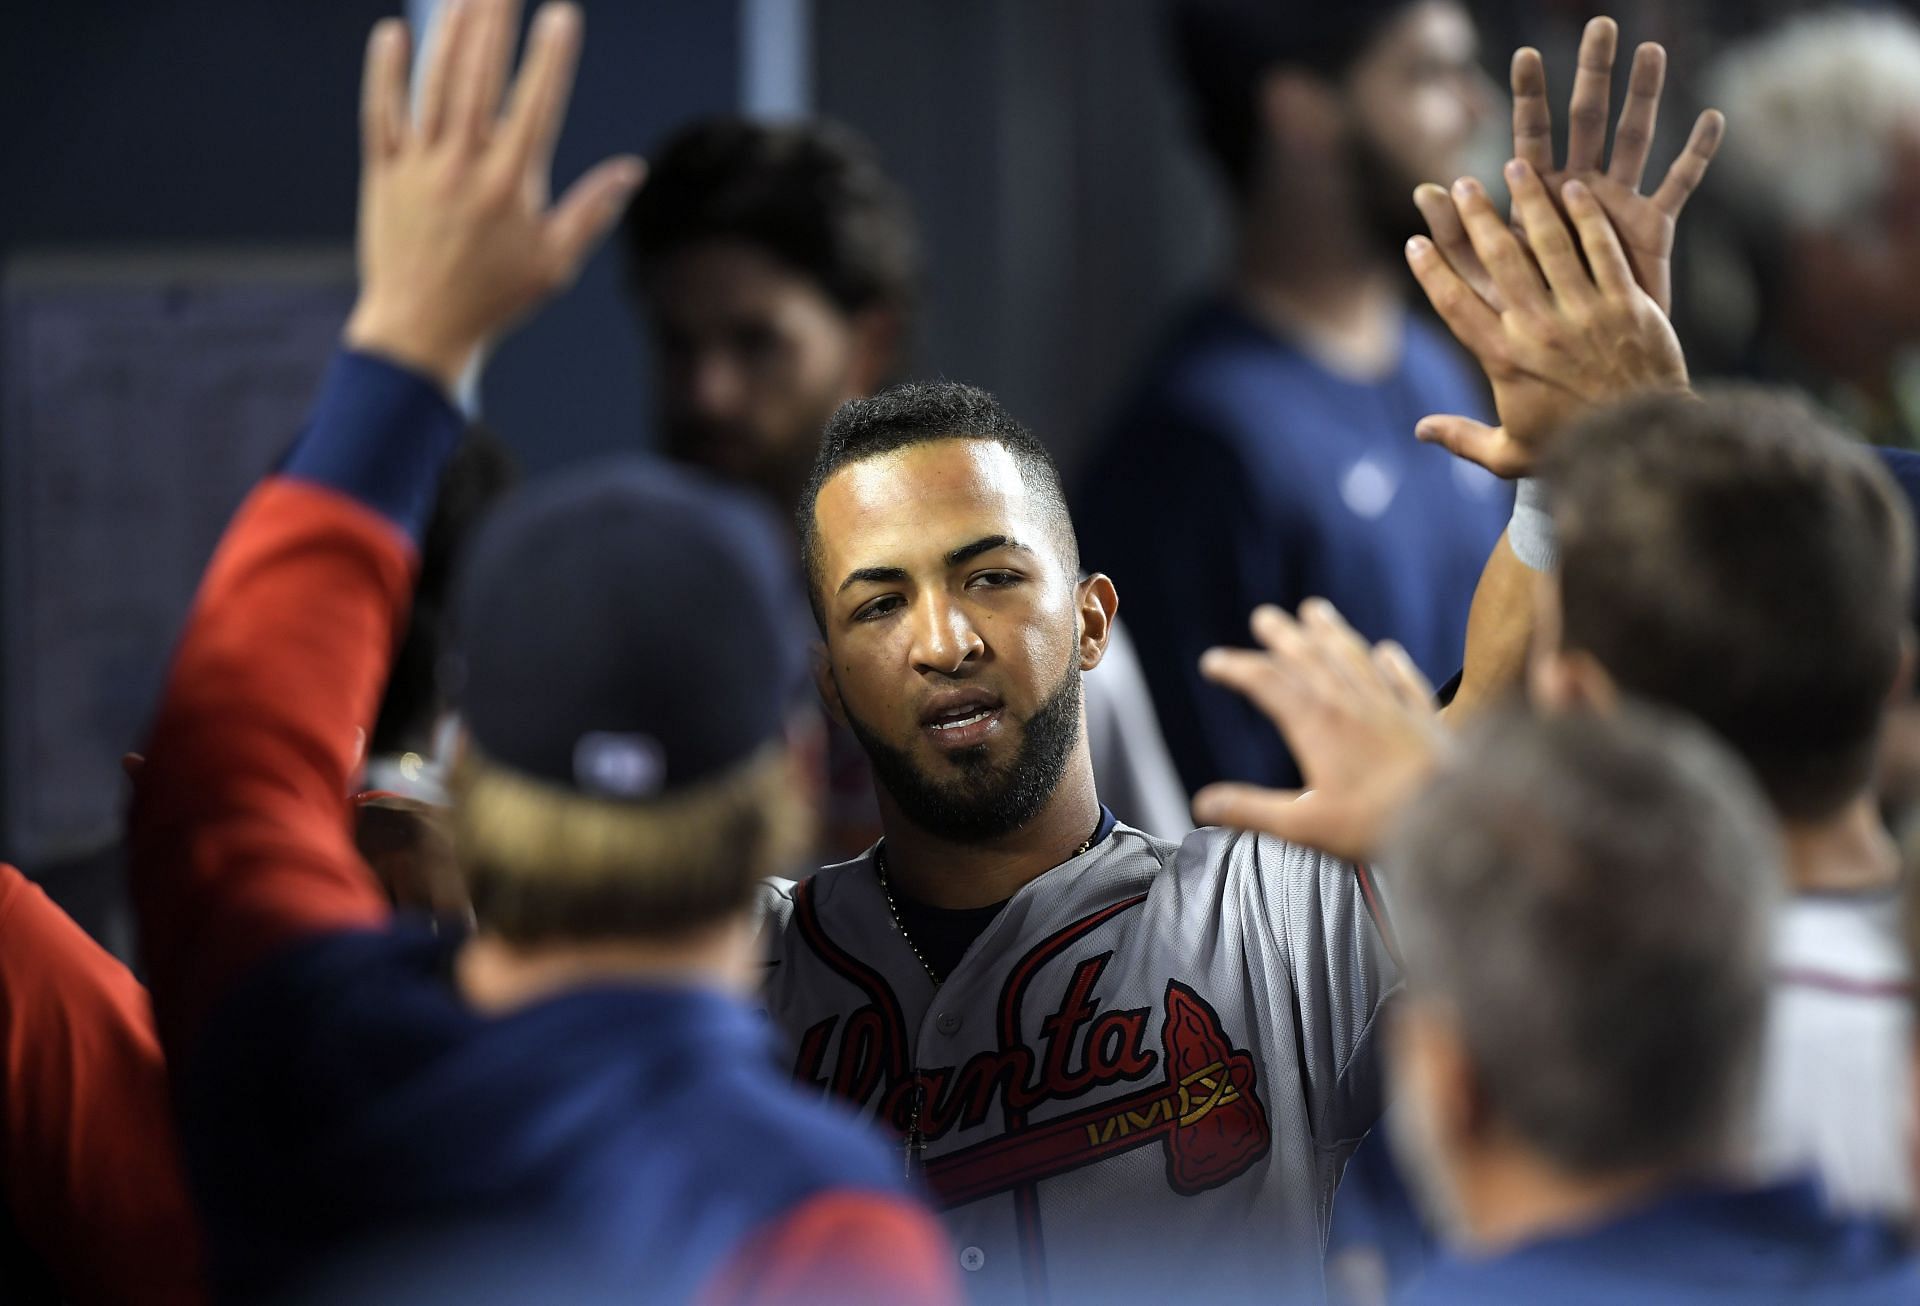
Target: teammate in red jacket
x: 577, y: 1102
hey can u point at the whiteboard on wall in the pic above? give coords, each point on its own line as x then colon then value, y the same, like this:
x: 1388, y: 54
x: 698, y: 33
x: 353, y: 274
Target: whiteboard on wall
x: 140, y: 396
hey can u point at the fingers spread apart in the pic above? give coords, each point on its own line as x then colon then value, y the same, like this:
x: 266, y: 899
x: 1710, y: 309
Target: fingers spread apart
x: 1547, y: 235
x: 383, y: 91
x: 1687, y: 172
x: 1633, y: 134
x: 1592, y: 92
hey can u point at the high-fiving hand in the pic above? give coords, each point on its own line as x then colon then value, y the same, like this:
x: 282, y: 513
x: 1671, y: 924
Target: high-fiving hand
x: 1567, y: 335
x: 457, y: 235
x: 1556, y: 337
x: 1645, y: 222
x: 1361, y: 723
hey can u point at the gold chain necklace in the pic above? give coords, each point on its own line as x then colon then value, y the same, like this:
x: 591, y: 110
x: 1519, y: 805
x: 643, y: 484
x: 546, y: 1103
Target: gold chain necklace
x: 916, y: 1143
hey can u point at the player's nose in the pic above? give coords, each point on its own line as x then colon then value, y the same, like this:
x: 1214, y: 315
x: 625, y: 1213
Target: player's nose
x: 944, y: 639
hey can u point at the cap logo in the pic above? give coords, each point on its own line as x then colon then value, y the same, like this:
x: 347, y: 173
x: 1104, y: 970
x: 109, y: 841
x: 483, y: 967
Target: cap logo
x: 614, y: 765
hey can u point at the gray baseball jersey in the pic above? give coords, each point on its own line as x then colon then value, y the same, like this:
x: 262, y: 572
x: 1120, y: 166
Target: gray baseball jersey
x: 1143, y: 1077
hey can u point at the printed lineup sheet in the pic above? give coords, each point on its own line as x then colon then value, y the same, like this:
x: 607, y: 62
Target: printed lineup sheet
x: 140, y: 397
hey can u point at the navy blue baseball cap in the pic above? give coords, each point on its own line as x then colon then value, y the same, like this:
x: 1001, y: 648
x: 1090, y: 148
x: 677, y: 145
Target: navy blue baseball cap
x: 625, y: 629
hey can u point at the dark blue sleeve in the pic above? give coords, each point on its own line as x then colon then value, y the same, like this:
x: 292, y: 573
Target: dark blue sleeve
x: 295, y: 1076
x: 1193, y: 546
x: 381, y: 434
x: 1374, y: 1215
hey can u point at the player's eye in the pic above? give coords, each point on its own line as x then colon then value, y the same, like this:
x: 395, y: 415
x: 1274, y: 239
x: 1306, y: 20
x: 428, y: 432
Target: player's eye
x: 873, y: 609
x: 995, y: 579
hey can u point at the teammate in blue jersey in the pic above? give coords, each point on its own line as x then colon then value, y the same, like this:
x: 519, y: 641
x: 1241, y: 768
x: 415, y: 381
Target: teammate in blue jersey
x: 575, y: 1101
x: 1268, y: 445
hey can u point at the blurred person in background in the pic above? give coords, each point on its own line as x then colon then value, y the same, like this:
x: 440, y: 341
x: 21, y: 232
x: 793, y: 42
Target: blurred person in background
x: 1268, y: 445
x: 1585, y: 915
x: 575, y: 1100
x: 1739, y: 560
x: 1823, y: 186
x: 1823, y: 181
x: 775, y: 267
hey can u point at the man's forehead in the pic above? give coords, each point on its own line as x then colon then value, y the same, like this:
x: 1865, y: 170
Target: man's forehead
x: 922, y: 493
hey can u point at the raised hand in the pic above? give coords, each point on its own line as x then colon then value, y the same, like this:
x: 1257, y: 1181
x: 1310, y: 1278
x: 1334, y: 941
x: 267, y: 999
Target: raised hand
x: 1360, y: 721
x: 1645, y: 222
x: 457, y: 237
x: 1558, y: 335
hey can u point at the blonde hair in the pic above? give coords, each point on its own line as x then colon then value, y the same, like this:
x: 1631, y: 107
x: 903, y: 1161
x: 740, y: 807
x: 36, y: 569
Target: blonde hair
x: 543, y: 862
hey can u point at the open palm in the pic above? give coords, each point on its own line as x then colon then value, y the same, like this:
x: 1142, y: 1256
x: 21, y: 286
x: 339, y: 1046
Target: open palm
x: 1645, y: 222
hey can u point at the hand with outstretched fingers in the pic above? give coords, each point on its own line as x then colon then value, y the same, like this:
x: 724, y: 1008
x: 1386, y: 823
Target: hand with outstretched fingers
x: 458, y: 238
x: 1645, y: 222
x: 1361, y: 723
x: 1573, y: 329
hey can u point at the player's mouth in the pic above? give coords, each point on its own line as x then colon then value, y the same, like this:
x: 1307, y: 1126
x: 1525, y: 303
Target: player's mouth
x: 962, y: 718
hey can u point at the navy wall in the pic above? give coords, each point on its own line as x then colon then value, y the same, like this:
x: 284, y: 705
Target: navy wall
x: 220, y: 121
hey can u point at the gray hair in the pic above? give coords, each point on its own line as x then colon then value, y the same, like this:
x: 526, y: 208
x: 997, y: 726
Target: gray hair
x: 1593, y: 898
x: 1815, y: 105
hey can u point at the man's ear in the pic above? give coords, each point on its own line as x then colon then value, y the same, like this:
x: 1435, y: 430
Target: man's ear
x: 1562, y: 679
x: 1099, y: 605
x: 824, y: 682
x: 1573, y: 680
x: 879, y: 333
x: 1429, y: 1051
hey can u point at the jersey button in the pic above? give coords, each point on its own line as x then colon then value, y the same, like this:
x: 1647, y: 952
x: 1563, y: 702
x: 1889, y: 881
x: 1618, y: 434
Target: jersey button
x: 972, y: 1258
x: 947, y: 1023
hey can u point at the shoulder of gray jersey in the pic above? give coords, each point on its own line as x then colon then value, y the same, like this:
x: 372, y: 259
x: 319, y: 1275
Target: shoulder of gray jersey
x: 774, y: 903
x: 1282, y: 873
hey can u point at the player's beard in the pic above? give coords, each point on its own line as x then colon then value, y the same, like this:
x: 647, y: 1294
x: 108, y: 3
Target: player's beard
x: 977, y: 799
x: 735, y: 452
x: 1384, y: 188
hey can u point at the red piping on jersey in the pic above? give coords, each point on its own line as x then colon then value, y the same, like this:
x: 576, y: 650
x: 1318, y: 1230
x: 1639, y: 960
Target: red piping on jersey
x: 1844, y: 985
x: 862, y: 976
x: 1015, y: 991
x: 1370, y: 894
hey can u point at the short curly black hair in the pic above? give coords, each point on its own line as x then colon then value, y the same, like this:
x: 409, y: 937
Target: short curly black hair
x: 811, y: 194
x: 902, y: 416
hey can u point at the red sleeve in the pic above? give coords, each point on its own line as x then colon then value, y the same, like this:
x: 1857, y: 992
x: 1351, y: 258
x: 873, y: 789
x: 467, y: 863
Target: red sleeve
x: 91, y: 1172
x: 241, y: 830
x: 849, y: 1249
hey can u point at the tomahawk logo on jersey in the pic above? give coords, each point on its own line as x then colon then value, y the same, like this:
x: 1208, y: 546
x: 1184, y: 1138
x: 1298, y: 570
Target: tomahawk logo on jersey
x: 1145, y: 1075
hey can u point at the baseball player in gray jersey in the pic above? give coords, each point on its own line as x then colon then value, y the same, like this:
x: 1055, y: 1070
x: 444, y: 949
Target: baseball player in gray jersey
x: 1114, y: 1060
x: 1124, y: 1068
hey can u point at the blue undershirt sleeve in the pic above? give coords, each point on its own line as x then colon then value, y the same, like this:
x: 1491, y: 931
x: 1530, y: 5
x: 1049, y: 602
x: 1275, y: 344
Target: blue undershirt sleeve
x: 381, y: 434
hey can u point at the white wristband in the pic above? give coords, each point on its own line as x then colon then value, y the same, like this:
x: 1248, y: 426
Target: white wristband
x: 1530, y: 532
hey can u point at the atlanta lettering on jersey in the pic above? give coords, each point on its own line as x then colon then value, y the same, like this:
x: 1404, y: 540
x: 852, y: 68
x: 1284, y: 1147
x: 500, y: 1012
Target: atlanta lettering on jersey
x: 1197, y: 1097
